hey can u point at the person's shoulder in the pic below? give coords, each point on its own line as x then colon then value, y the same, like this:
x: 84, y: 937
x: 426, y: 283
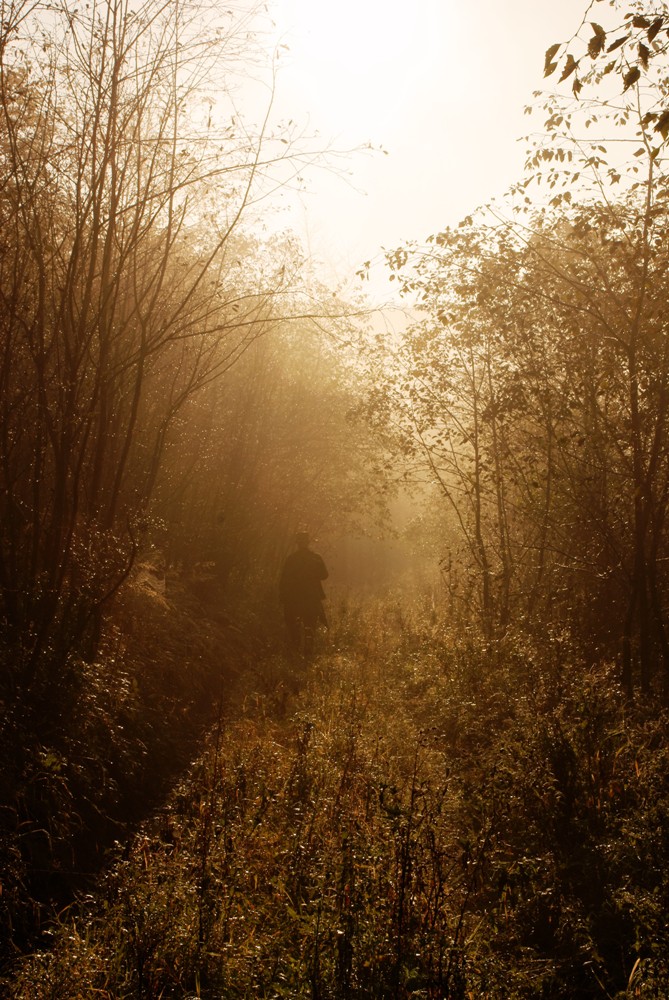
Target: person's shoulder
x: 319, y: 562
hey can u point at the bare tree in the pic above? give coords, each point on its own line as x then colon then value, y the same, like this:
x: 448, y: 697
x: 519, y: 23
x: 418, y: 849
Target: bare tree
x: 127, y: 282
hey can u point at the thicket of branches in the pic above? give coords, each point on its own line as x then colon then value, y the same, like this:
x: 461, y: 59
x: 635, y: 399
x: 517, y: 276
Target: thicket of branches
x: 172, y: 393
x: 534, y: 389
x: 459, y: 808
x: 132, y: 284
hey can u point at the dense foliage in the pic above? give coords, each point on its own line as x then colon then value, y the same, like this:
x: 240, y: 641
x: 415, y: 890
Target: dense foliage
x: 402, y: 818
x: 533, y: 390
x: 133, y: 281
x: 464, y: 798
x: 98, y: 758
x: 171, y: 396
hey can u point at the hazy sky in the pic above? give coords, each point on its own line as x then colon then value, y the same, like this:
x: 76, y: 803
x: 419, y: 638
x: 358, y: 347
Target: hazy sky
x: 440, y: 84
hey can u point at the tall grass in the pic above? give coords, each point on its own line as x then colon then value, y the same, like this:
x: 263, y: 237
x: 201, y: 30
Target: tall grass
x: 410, y: 815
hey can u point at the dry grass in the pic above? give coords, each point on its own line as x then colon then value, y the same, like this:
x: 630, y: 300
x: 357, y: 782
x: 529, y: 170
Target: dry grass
x: 396, y: 819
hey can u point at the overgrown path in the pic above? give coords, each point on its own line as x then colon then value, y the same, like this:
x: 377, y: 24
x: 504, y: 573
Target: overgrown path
x: 96, y: 757
x: 396, y: 818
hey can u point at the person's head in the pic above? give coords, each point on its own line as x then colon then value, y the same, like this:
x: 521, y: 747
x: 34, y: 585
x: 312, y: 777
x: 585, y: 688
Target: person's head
x: 302, y: 539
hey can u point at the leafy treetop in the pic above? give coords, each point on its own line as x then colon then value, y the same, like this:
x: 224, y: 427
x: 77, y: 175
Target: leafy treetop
x: 629, y: 49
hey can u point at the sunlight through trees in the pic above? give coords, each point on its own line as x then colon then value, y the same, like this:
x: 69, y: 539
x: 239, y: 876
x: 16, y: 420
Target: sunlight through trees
x: 461, y: 791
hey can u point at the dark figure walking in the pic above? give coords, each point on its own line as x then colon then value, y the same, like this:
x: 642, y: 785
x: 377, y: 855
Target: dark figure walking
x: 302, y: 594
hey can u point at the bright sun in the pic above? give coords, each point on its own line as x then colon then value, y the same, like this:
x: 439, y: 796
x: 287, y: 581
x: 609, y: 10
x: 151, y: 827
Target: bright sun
x: 440, y: 84
x: 360, y: 61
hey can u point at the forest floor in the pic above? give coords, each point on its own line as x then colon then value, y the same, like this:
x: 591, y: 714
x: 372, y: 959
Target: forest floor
x: 404, y: 816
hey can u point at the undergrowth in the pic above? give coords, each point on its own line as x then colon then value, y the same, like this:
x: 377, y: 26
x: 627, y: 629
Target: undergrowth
x: 408, y: 816
x: 85, y: 763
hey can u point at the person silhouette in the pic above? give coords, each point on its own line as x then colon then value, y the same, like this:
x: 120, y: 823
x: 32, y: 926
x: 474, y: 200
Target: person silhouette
x: 301, y: 593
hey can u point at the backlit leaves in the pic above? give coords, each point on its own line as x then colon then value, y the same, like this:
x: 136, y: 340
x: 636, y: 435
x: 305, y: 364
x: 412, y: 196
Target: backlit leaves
x: 662, y: 124
x: 654, y: 28
x: 597, y: 42
x: 631, y: 77
x: 644, y: 55
x: 618, y: 42
x: 549, y: 64
x: 635, y: 46
x: 569, y: 67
